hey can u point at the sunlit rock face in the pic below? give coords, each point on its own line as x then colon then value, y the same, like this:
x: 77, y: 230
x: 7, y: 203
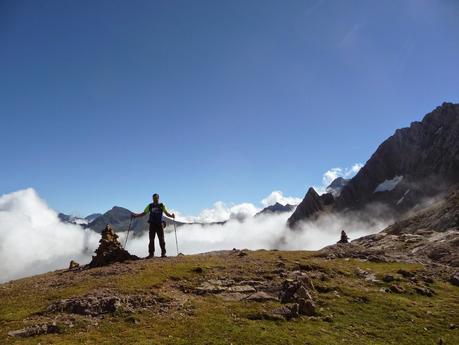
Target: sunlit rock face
x: 414, y: 164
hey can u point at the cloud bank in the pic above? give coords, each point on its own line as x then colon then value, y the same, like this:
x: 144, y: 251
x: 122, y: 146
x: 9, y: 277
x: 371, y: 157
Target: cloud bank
x: 33, y: 240
x: 221, y: 212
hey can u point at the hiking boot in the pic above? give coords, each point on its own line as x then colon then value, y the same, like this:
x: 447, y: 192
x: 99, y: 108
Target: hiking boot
x: 163, y: 255
x: 151, y: 256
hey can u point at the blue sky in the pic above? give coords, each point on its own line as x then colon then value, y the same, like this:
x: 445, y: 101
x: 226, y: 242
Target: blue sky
x: 103, y: 103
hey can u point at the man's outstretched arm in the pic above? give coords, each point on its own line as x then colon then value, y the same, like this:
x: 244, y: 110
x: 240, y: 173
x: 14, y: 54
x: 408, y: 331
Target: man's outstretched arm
x: 170, y: 215
x: 135, y: 215
x: 146, y: 211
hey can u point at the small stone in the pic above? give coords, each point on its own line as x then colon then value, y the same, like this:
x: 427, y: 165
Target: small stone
x: 306, y: 307
x: 396, y: 289
x: 289, y: 311
x: 197, y: 270
x: 265, y: 316
x: 280, y: 264
x: 388, y: 278
x: 73, y: 264
x: 454, y: 279
x: 35, y: 330
x: 232, y: 296
x: 328, y: 318
x: 405, y: 273
x: 261, y: 296
x: 132, y: 319
x: 428, y: 280
x: 207, y: 287
x: 424, y: 291
x: 242, y: 288
x: 307, y: 281
x: 303, y: 293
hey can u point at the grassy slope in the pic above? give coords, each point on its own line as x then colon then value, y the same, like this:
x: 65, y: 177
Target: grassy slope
x: 378, y: 318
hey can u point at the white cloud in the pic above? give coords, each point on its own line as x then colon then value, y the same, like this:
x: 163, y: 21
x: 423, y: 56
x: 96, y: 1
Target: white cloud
x: 264, y: 232
x: 33, y: 240
x: 221, y: 212
x: 334, y: 173
x: 278, y: 196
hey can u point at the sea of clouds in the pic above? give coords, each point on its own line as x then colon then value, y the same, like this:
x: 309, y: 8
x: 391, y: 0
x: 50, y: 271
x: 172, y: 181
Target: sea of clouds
x: 33, y: 239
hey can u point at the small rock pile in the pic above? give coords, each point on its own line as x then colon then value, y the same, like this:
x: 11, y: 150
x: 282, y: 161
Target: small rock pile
x: 73, y: 265
x: 296, y: 295
x: 110, y: 250
x: 344, y: 238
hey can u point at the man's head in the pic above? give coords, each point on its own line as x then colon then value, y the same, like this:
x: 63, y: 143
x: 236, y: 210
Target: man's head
x: 155, y: 197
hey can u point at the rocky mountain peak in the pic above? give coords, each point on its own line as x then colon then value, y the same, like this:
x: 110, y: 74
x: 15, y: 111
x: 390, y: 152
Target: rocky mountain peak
x: 415, y: 163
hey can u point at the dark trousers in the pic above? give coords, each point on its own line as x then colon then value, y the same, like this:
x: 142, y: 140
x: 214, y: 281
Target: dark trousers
x: 156, y: 229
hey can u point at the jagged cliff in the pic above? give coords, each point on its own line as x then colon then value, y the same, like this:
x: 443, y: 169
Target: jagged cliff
x: 415, y: 163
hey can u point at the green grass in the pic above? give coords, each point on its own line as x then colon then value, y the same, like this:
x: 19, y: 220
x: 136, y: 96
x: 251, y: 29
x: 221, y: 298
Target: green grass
x: 360, y: 312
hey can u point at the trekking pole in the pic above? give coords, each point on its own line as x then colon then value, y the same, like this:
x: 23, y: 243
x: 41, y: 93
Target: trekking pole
x: 176, y: 242
x: 127, y: 236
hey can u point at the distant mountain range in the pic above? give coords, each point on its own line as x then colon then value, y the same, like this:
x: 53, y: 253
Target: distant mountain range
x: 276, y: 208
x: 119, y: 218
x: 414, y: 164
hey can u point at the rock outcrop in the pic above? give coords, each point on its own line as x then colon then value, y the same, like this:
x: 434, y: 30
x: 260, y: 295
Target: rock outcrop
x: 414, y: 164
x: 430, y: 235
x: 110, y: 250
x: 312, y: 204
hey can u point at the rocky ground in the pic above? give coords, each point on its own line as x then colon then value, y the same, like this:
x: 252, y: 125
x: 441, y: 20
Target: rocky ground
x: 400, y: 286
x: 234, y: 297
x: 430, y: 236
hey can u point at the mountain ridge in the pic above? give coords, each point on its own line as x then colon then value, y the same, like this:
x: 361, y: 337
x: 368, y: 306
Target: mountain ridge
x: 415, y: 163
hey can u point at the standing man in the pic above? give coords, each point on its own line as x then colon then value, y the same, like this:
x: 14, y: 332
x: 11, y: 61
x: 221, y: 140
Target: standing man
x: 156, y: 210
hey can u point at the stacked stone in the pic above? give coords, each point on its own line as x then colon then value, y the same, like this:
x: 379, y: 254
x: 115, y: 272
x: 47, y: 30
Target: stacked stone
x: 344, y: 238
x: 110, y: 250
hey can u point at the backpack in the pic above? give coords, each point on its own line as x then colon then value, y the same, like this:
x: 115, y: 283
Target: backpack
x: 156, y: 213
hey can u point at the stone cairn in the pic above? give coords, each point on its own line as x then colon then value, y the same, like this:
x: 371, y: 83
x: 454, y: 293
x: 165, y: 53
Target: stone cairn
x: 344, y: 238
x: 110, y: 250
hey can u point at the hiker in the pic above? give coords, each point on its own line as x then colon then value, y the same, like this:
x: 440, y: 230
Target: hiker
x: 156, y: 210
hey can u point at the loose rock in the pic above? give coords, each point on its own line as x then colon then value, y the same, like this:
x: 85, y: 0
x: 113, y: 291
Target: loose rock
x: 454, y: 279
x: 261, y: 296
x: 73, y: 264
x: 35, y: 330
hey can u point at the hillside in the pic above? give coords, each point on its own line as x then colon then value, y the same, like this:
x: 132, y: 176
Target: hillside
x: 239, y: 297
x: 430, y: 235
